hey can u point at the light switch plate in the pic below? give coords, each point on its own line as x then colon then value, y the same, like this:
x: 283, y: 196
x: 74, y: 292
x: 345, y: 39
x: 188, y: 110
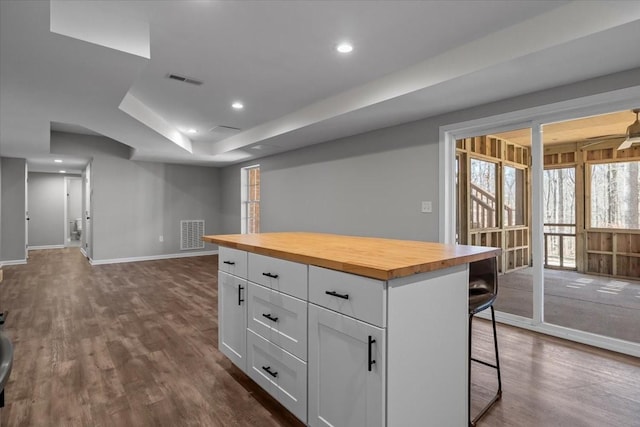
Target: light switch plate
x: 427, y: 207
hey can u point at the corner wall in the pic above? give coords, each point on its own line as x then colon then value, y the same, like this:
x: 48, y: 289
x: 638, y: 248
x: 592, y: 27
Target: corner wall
x: 134, y: 203
x: 13, y: 215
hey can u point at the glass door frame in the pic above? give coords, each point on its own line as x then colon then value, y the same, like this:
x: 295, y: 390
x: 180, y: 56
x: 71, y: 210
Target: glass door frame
x: 533, y: 118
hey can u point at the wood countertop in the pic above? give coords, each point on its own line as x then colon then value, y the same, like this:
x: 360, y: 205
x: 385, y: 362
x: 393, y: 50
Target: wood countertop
x: 383, y: 259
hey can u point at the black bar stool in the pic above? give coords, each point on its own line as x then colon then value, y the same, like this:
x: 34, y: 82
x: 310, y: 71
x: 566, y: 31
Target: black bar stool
x: 483, y: 291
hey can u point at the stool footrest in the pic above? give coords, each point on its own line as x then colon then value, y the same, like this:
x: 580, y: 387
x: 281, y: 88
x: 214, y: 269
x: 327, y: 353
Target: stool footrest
x: 484, y: 363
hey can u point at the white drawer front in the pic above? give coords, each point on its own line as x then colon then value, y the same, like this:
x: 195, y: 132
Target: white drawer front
x: 232, y: 261
x: 355, y: 296
x: 279, y: 275
x: 281, y: 374
x: 279, y: 318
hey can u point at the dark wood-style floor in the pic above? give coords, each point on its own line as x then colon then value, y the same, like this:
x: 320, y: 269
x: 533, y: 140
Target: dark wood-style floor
x: 136, y: 344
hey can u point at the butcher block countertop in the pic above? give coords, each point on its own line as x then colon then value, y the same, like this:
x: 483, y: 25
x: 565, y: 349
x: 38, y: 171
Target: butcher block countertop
x: 383, y: 259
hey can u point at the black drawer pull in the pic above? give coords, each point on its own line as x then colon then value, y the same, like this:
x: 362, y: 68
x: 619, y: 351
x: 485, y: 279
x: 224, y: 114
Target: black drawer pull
x: 273, y: 276
x: 370, y: 362
x: 268, y: 316
x: 240, y: 300
x: 229, y: 262
x: 335, y: 294
x: 270, y: 372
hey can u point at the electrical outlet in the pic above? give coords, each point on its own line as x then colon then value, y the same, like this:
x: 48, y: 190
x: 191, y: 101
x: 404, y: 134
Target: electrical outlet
x: 160, y: 238
x: 426, y: 207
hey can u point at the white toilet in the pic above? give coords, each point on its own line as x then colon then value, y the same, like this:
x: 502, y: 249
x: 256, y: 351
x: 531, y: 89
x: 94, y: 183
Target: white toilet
x: 77, y: 229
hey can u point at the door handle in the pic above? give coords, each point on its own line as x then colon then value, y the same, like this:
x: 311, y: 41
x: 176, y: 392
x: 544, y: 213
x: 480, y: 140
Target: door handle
x: 240, y: 300
x: 269, y: 371
x: 229, y: 262
x: 268, y: 316
x: 369, y: 361
x: 273, y: 276
x: 335, y: 294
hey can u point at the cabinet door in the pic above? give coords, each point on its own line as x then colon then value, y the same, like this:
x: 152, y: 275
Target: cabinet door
x: 232, y: 318
x: 345, y: 387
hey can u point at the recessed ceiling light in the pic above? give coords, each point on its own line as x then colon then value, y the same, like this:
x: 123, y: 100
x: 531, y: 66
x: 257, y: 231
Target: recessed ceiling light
x: 192, y: 131
x: 344, y: 47
x: 58, y: 161
x: 63, y: 171
x: 237, y: 105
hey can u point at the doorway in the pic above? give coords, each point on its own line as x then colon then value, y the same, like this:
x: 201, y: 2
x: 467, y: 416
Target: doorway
x: 73, y: 211
x: 580, y: 231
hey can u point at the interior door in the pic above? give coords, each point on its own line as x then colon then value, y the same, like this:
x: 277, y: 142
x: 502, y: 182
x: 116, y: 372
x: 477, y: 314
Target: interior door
x: 232, y: 318
x: 87, y: 241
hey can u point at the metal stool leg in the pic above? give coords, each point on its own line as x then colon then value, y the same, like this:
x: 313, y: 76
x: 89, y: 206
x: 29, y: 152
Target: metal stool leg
x: 498, y: 394
x: 469, y: 373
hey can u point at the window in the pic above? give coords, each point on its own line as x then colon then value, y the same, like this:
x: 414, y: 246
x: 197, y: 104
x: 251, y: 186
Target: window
x: 483, y: 194
x: 250, y: 196
x: 615, y: 195
x: 513, y: 195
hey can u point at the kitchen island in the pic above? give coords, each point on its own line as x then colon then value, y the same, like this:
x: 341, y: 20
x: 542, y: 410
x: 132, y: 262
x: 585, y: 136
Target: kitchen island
x: 349, y: 331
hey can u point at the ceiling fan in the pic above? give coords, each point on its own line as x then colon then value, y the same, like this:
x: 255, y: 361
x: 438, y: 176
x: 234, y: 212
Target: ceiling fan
x: 633, y: 133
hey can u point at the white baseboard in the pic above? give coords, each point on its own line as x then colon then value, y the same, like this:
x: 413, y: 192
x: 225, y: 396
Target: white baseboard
x: 14, y: 262
x: 37, y: 248
x: 150, y: 258
x: 84, y: 253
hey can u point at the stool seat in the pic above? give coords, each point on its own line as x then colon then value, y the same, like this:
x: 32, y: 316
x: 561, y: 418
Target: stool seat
x: 480, y: 299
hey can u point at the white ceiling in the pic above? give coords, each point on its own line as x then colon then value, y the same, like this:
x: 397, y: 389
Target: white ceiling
x: 103, y: 68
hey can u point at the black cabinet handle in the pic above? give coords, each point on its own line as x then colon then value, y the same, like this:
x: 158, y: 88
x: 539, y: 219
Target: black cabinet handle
x: 371, y: 362
x: 229, y: 262
x: 273, y: 276
x: 240, y: 300
x: 268, y: 370
x: 335, y: 294
x: 268, y: 316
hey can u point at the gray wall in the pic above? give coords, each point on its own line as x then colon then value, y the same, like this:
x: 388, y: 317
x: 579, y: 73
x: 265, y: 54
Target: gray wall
x: 136, y: 202
x: 373, y: 183
x: 1, y: 213
x: 46, y: 209
x: 13, y: 215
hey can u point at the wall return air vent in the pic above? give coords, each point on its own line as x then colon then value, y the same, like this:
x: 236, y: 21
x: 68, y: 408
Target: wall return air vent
x: 184, y: 79
x: 191, y: 232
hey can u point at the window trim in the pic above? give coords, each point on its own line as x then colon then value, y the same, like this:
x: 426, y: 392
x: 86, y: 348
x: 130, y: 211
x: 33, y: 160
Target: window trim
x: 244, y: 199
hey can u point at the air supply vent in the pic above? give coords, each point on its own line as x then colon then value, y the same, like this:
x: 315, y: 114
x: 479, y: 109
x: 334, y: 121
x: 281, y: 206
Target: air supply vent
x: 184, y: 79
x: 191, y: 232
x: 223, y: 131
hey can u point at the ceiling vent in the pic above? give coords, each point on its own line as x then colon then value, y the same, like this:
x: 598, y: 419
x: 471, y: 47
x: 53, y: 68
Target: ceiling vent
x: 184, y: 79
x: 224, y: 131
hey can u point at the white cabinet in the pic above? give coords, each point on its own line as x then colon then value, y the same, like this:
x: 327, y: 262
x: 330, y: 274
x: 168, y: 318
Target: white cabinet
x: 355, y: 296
x: 280, y: 318
x: 280, y: 275
x: 281, y: 374
x: 232, y: 318
x: 233, y: 261
x: 346, y: 371
x: 338, y: 349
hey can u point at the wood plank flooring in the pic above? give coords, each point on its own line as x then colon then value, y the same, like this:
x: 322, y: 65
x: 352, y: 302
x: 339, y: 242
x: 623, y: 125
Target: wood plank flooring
x: 136, y: 345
